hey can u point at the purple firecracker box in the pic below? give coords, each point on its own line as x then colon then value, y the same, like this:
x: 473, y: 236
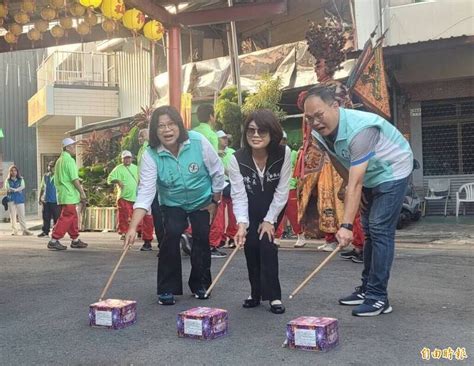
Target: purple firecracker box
x: 113, y: 313
x: 312, y: 333
x: 202, y: 323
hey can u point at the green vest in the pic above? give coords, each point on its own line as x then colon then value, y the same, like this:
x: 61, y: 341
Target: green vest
x: 393, y: 158
x: 183, y: 181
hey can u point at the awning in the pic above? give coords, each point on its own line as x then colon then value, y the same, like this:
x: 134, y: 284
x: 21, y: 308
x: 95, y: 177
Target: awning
x: 102, y: 125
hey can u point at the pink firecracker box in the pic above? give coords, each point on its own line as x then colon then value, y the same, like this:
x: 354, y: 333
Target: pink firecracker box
x: 312, y: 333
x: 113, y: 313
x: 202, y: 323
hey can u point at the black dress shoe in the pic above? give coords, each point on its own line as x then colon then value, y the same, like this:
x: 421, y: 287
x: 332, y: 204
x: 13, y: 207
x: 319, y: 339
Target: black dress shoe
x: 250, y: 303
x: 277, y: 309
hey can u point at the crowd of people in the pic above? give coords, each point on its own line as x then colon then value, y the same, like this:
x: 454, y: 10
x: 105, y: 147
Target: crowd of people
x: 193, y: 181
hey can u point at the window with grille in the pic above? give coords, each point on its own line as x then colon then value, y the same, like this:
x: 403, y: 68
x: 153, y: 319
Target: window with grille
x: 448, y: 137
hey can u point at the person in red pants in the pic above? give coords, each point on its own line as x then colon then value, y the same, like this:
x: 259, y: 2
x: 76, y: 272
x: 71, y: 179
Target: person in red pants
x: 69, y: 194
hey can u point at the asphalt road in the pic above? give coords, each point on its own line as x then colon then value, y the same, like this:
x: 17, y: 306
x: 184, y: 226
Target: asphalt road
x: 44, y: 300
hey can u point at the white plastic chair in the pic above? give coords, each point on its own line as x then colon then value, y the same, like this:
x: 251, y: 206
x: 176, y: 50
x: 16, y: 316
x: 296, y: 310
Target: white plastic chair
x: 468, y: 189
x: 438, y: 190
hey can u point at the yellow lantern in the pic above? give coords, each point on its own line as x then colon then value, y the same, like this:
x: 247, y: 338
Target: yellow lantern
x: 153, y: 30
x: 28, y: 6
x: 90, y: 3
x: 21, y: 17
x: 42, y: 25
x: 91, y: 18
x: 16, y: 29
x: 3, y: 10
x: 109, y: 26
x: 10, y: 38
x: 133, y: 19
x: 83, y: 29
x: 66, y: 22
x: 113, y: 9
x: 48, y: 13
x: 77, y: 10
x: 34, y: 35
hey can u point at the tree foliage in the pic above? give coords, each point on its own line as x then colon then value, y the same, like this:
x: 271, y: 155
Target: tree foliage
x: 267, y: 96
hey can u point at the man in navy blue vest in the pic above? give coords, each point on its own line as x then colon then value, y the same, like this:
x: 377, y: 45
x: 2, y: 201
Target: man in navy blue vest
x: 47, y: 198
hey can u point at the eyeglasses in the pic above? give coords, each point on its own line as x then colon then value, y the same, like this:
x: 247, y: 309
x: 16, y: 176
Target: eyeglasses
x: 318, y: 116
x: 260, y: 132
x: 164, y: 127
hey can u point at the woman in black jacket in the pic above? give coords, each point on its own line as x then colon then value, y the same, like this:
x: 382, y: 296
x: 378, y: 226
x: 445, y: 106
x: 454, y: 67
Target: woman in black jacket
x: 259, y: 174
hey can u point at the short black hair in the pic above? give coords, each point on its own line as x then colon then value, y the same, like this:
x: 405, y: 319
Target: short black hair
x: 174, y: 115
x: 265, y: 119
x: 327, y: 93
x: 204, y: 112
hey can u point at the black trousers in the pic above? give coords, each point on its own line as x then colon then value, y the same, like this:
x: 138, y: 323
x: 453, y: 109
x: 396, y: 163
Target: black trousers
x: 157, y: 220
x: 262, y: 265
x: 169, y: 262
x: 50, y: 211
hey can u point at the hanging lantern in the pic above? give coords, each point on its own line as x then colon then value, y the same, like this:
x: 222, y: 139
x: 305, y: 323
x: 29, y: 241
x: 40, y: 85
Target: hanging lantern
x: 21, y: 17
x: 10, y: 38
x: 48, y: 13
x: 91, y: 19
x: 34, y: 35
x: 57, y: 32
x: 153, y: 30
x: 133, y: 19
x: 42, y: 25
x: 77, y: 10
x: 90, y: 3
x: 66, y: 22
x: 56, y: 4
x: 109, y: 26
x: 83, y: 29
x: 3, y: 10
x: 16, y: 29
x: 28, y: 6
x: 113, y: 9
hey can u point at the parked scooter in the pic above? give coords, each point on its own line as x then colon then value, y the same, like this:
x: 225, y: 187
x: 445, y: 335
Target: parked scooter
x: 411, y: 209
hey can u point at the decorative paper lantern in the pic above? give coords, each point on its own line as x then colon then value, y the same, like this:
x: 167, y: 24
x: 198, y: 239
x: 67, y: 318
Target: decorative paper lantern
x: 90, y: 3
x: 66, y: 22
x: 28, y: 6
x: 3, y: 11
x: 133, y: 19
x: 57, y: 31
x: 34, y: 35
x: 113, y: 9
x: 21, y: 17
x: 56, y: 4
x: 109, y: 26
x: 16, y: 29
x: 91, y: 18
x: 77, y: 10
x: 153, y: 30
x: 10, y: 38
x: 83, y: 29
x: 48, y: 13
x: 42, y: 25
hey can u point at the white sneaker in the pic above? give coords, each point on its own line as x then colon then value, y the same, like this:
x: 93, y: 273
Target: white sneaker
x: 276, y: 241
x: 328, y: 247
x: 301, y: 242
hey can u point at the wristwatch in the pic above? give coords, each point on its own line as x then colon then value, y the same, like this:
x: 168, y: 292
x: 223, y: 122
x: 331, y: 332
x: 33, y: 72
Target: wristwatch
x: 347, y: 226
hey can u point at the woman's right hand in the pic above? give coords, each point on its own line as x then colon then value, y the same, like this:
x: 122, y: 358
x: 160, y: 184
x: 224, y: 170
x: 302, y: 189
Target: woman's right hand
x: 130, y: 237
x: 239, y: 238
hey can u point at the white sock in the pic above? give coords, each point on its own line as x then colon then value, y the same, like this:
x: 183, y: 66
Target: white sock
x: 275, y: 302
x: 54, y: 240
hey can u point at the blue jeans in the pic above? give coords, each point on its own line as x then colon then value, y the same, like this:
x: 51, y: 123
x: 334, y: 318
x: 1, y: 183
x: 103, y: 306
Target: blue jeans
x: 380, y: 211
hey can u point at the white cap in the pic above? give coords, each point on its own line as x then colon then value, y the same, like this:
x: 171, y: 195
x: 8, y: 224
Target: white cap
x: 68, y: 141
x: 221, y: 133
x: 285, y: 136
x: 126, y: 154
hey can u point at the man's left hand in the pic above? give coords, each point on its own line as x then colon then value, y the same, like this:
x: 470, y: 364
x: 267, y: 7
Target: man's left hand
x: 344, y: 237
